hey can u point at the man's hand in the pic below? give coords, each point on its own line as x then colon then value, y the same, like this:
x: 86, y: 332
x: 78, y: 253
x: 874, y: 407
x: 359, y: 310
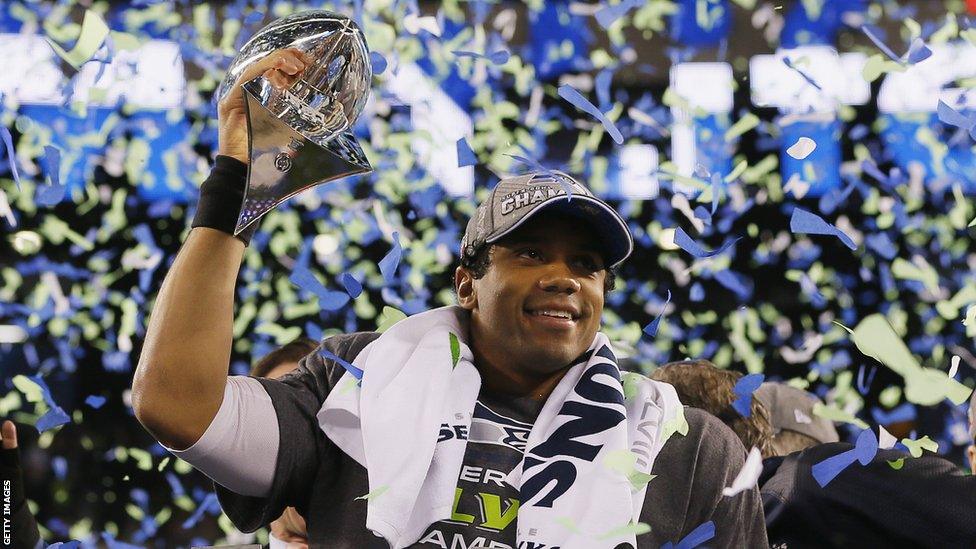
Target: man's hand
x: 8, y: 435
x: 290, y: 528
x: 282, y: 68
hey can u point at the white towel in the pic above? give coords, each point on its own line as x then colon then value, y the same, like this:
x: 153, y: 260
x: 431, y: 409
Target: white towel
x: 583, y: 476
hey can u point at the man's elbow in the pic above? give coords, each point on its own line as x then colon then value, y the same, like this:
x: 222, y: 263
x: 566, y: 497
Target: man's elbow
x: 161, y: 417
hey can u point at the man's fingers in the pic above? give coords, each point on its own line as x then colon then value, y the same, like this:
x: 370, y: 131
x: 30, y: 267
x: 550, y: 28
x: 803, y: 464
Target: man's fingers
x: 288, y: 60
x: 9, y: 435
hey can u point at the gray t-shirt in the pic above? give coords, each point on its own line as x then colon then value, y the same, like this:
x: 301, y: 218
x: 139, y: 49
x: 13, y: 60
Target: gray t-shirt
x: 318, y: 479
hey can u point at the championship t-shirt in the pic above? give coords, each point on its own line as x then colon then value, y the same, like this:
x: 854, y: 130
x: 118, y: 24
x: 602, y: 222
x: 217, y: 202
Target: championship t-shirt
x: 326, y: 486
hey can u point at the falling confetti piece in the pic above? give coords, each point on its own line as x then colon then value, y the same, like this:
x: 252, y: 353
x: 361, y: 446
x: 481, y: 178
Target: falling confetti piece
x: 465, y: 155
x: 743, y: 389
x: 388, y: 265
x: 804, y: 222
x: 651, y: 329
x: 356, y: 372
x: 455, y: 350
x: 748, y: 476
x: 802, y: 148
x: 93, y: 33
x: 576, y: 99
x: 685, y: 242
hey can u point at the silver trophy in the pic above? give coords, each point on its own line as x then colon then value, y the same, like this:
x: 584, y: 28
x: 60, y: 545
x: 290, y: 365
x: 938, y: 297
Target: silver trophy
x: 300, y: 137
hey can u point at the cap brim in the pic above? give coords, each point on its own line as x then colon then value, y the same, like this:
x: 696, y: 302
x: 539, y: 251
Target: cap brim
x: 611, y: 229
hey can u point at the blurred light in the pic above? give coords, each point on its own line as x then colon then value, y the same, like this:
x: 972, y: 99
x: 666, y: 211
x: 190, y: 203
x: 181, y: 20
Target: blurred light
x: 635, y: 176
x: 774, y: 84
x: 697, y: 140
x: 920, y: 88
x: 434, y: 112
x: 10, y: 333
x: 150, y: 77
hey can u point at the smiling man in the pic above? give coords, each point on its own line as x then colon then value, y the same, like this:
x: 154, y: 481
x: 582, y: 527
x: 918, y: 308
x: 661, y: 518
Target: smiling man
x: 501, y: 422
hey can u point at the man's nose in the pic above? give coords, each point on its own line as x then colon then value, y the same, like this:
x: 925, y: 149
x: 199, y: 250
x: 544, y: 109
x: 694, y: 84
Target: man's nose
x: 559, y: 278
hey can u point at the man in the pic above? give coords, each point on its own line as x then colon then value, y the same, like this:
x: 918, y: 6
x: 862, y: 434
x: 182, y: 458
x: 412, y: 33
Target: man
x: 701, y: 384
x: 795, y: 426
x: 894, y: 500
x: 288, y: 530
x: 452, y: 424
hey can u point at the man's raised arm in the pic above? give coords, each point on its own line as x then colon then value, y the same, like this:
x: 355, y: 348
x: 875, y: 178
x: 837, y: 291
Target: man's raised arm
x: 179, y: 383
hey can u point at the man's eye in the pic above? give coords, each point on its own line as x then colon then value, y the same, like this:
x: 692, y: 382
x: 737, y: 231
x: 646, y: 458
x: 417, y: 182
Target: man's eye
x: 530, y: 252
x: 590, y: 263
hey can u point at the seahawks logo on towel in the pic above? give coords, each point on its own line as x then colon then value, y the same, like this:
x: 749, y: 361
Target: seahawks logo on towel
x: 490, y: 427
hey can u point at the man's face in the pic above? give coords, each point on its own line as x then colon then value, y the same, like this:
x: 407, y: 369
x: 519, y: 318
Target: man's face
x: 539, y: 305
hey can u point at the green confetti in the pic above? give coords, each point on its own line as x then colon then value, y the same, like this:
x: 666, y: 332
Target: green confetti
x: 455, y: 350
x: 373, y: 494
x: 636, y: 529
x: 926, y: 386
x: 388, y: 317
x: 896, y: 464
x: 741, y: 126
x: 93, y: 33
x: 915, y: 447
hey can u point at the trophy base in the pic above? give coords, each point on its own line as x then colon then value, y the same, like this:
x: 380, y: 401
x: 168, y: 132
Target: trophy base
x: 284, y: 162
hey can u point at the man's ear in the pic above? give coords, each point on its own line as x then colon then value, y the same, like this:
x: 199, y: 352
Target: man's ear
x: 464, y: 287
x: 971, y: 452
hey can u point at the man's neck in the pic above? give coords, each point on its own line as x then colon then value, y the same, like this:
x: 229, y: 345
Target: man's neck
x: 498, y: 378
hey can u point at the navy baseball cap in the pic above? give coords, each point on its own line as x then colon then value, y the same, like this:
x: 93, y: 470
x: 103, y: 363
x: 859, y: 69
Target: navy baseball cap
x: 516, y: 199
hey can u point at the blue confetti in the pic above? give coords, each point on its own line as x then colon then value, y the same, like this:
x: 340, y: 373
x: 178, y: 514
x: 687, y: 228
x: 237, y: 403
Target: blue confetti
x: 351, y: 284
x: 804, y: 222
x: 576, y: 99
x: 651, y: 329
x: 378, y: 62
x: 804, y: 75
x: 95, y: 401
x: 744, y: 388
x: 685, y: 242
x: 391, y: 260
x: 881, y: 45
x: 53, y: 193
x: 8, y: 142
x: 465, y: 155
x: 356, y: 372
x: 695, y: 538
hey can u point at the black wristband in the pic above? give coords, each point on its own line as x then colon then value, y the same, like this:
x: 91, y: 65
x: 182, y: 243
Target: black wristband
x: 221, y: 196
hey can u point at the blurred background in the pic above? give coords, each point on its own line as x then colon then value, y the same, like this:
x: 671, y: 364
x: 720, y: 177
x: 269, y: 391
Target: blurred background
x: 788, y: 168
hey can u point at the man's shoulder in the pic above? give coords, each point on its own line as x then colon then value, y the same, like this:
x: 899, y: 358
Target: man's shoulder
x: 348, y: 346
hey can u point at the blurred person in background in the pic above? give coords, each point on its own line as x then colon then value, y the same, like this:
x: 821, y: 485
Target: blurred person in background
x: 896, y: 500
x: 794, y: 425
x: 700, y: 384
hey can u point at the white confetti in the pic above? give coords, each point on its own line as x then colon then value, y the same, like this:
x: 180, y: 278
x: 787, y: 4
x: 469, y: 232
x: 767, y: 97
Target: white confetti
x: 886, y: 440
x: 954, y: 366
x: 748, y: 476
x: 802, y: 148
x: 414, y: 24
x: 801, y: 417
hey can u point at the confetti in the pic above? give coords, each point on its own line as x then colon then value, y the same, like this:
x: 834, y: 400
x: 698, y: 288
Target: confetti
x: 576, y: 99
x: 743, y: 389
x: 804, y: 222
x: 651, y: 328
x: 93, y: 34
x: 802, y: 148
x: 748, y: 476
